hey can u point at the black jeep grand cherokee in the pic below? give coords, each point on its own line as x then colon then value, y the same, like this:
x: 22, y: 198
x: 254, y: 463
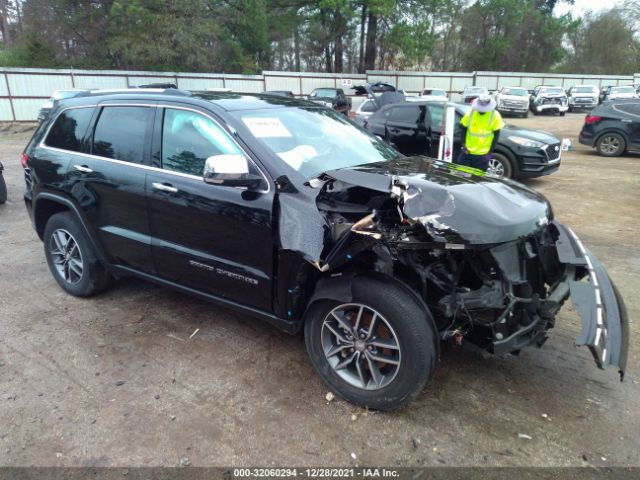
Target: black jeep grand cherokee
x: 288, y: 211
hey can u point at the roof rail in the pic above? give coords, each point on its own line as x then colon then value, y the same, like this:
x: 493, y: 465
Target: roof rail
x: 168, y: 91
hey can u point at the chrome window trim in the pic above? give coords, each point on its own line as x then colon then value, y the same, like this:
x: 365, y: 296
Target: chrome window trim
x: 148, y: 167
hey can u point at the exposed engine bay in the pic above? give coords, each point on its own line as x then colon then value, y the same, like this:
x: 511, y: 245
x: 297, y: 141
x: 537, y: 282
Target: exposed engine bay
x: 485, y: 255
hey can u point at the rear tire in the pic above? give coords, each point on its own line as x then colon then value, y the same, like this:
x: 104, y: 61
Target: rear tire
x: 72, y: 258
x: 352, y: 360
x: 611, y: 145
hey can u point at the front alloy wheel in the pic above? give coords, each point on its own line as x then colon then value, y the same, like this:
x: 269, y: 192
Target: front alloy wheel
x: 66, y: 256
x: 377, y: 349
x: 361, y: 346
x: 499, y: 166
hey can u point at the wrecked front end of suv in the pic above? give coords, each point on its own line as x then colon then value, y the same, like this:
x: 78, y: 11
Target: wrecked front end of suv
x: 484, y: 254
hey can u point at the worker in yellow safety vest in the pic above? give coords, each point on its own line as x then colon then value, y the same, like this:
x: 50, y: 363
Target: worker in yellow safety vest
x: 480, y: 132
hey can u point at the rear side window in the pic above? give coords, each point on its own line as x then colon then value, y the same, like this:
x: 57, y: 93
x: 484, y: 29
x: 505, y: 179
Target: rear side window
x: 120, y: 133
x: 69, y: 129
x: 631, y: 108
x: 405, y: 114
x: 189, y: 138
x: 368, y: 106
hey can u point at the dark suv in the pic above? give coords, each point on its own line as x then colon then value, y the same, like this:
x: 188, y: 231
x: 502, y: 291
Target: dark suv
x: 414, y: 128
x: 613, y: 127
x: 289, y: 212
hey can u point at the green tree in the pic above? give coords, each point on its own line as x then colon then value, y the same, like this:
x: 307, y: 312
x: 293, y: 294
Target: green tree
x: 604, y: 43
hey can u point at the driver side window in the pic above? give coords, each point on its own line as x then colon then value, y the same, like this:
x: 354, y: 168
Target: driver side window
x: 189, y: 138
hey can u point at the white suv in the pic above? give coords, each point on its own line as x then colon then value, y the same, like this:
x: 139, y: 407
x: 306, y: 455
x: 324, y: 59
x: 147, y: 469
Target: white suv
x: 583, y: 97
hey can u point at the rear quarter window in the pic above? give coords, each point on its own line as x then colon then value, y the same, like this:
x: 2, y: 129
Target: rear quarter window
x: 69, y: 129
x: 630, y: 108
x: 405, y: 114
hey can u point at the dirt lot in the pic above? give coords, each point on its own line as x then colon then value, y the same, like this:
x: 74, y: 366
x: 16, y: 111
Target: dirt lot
x: 117, y: 381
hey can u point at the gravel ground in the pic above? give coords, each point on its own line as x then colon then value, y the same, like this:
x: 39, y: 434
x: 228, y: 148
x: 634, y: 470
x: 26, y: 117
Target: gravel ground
x: 116, y: 380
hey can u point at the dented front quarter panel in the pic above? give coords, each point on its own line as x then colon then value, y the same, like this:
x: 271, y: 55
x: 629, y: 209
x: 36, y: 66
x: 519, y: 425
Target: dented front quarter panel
x: 346, y: 213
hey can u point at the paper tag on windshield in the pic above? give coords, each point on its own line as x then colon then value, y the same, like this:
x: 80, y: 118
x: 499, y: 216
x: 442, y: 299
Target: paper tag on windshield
x: 263, y: 127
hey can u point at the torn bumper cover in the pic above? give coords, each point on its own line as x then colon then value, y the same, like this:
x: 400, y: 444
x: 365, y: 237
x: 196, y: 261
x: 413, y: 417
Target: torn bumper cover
x: 605, y: 323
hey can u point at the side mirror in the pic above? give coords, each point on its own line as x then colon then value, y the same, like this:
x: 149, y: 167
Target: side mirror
x: 230, y: 170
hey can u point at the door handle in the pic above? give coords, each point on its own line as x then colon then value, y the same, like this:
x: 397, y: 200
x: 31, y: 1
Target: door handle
x: 164, y: 187
x: 83, y: 168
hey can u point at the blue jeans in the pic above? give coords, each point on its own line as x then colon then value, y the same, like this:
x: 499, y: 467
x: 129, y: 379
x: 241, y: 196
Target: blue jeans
x: 481, y: 162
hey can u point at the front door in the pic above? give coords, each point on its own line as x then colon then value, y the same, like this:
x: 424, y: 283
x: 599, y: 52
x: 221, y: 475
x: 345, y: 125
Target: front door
x: 211, y: 238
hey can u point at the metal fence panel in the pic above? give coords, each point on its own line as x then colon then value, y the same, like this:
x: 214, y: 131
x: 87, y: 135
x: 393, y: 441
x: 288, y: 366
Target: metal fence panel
x: 245, y: 86
x: 27, y: 108
x: 291, y: 84
x: 28, y: 88
x: 199, y: 83
x: 308, y: 84
x: 5, y: 110
x: 34, y: 85
x: 99, y: 81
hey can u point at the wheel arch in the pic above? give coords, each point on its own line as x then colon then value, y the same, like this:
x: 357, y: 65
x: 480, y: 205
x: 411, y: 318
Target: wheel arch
x: 339, y: 288
x: 512, y: 157
x: 620, y: 132
x: 47, y: 204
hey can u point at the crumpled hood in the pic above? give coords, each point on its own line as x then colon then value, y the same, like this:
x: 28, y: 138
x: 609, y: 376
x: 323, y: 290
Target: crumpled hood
x: 450, y: 203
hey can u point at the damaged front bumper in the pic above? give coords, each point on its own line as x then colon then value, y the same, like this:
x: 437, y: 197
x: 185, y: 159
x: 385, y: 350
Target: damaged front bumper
x: 605, y: 323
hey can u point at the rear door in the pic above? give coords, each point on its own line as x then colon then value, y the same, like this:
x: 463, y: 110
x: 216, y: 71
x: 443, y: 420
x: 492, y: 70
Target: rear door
x: 631, y: 121
x: 215, y: 239
x: 407, y: 130
x: 109, y: 183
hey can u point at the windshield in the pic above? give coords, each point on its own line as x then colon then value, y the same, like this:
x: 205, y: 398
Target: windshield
x: 312, y: 140
x: 475, y: 90
x: 435, y: 93
x: 623, y: 90
x: 520, y: 92
x: 552, y: 90
x: 584, y: 90
x: 324, y: 93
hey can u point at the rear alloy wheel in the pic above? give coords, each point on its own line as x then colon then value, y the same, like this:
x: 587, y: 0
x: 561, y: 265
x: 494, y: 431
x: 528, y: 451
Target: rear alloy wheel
x: 71, y: 257
x: 611, y: 145
x: 500, y: 166
x: 378, y: 350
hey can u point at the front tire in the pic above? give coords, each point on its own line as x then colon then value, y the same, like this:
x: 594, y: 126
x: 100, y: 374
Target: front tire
x: 72, y: 258
x: 500, y: 166
x: 611, y: 145
x: 379, y: 350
